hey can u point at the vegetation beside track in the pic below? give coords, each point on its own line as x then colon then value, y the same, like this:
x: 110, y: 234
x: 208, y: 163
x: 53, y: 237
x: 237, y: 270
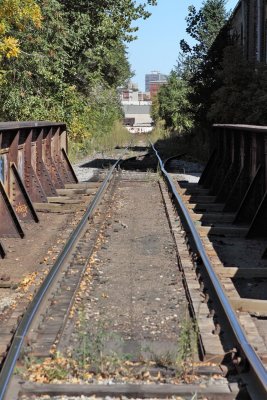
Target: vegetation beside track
x: 212, y: 82
x: 63, y: 61
x: 117, y: 135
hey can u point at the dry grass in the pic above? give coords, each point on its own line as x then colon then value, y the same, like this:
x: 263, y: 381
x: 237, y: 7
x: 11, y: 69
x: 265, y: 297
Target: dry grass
x: 118, y: 136
x: 159, y: 133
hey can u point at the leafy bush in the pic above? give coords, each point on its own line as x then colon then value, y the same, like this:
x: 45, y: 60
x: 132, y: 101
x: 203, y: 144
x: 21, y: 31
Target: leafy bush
x: 71, y: 57
x: 242, y: 97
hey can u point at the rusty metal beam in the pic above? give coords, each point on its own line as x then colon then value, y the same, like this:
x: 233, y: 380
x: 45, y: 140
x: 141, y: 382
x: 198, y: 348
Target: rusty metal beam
x: 258, y: 227
x: 10, y: 225
x: 20, y: 198
x: 49, y: 162
x: 68, y: 167
x: 247, y: 207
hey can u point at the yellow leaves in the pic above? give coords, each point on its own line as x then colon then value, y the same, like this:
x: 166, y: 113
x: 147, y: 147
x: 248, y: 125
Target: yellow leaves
x: 52, y: 370
x: 19, y: 12
x: 10, y: 47
x: 78, y: 129
x: 27, y: 281
x: 16, y: 13
x: 2, y: 28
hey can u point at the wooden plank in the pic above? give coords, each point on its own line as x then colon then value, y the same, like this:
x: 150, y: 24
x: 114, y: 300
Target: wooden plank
x: 199, y: 199
x: 82, y: 185
x: 212, y: 207
x: 229, y: 231
x: 62, y: 200
x: 55, y: 207
x: 249, y: 305
x: 233, y: 272
x: 131, y: 390
x: 213, y: 217
x: 194, y: 191
x: 69, y: 192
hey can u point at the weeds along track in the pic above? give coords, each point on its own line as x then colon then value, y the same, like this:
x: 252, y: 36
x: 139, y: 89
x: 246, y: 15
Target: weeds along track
x: 220, y: 312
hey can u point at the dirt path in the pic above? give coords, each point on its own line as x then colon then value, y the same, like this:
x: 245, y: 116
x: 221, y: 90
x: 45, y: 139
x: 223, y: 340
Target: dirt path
x: 136, y: 303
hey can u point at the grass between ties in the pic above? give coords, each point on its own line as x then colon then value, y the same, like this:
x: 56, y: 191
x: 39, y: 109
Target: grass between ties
x: 89, y: 362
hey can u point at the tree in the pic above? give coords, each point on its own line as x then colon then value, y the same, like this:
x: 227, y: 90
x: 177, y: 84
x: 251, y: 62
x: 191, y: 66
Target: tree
x: 70, y: 67
x: 16, y: 14
x: 171, y: 104
x: 203, y: 26
x: 208, y: 27
x: 242, y: 96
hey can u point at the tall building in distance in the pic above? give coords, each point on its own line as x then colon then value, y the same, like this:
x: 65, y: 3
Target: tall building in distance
x: 155, y: 77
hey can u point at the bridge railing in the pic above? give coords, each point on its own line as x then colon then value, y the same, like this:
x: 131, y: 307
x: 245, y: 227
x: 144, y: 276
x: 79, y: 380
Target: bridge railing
x: 236, y: 174
x: 33, y: 165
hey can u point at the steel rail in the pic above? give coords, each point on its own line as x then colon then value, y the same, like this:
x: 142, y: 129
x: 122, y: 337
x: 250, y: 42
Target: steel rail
x: 17, y: 342
x: 249, y: 352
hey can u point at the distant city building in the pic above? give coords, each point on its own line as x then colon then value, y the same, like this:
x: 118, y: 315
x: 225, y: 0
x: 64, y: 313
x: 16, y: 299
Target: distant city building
x: 136, y: 107
x: 131, y: 93
x: 154, y: 76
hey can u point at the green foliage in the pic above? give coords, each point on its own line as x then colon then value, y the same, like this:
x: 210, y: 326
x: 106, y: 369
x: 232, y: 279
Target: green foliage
x: 117, y: 135
x: 171, y: 104
x: 209, y: 29
x: 68, y: 69
x: 184, y: 102
x: 187, y: 343
x: 159, y: 132
x: 203, y: 26
x: 16, y: 13
x: 242, y: 97
x: 224, y: 86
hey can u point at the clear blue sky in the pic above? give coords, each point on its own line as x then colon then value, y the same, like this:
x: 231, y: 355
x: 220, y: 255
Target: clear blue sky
x: 157, y: 46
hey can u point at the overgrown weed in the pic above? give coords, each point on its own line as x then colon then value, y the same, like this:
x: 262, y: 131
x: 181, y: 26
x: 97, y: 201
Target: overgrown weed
x: 117, y: 136
x: 158, y: 133
x: 92, y: 353
x: 187, y: 347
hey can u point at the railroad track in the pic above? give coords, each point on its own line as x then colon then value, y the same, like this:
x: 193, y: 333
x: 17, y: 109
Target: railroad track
x: 46, y: 326
x: 217, y: 321
x: 63, y: 278
x: 248, y: 352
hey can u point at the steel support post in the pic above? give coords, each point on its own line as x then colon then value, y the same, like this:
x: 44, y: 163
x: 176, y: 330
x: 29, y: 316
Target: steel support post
x: 41, y: 170
x: 258, y: 227
x: 242, y: 182
x: 32, y: 182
